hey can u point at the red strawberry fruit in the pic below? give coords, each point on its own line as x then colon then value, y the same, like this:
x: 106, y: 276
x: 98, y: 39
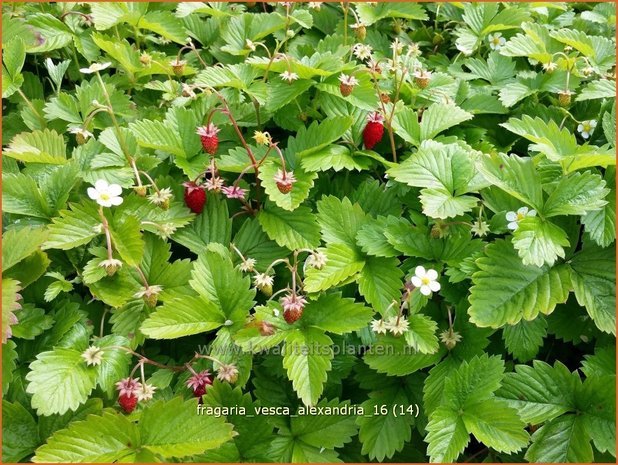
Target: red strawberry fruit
x: 128, y: 402
x: 373, y: 132
x: 195, y: 197
x: 210, y: 140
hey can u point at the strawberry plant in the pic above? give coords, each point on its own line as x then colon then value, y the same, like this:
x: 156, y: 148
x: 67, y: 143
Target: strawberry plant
x: 308, y: 232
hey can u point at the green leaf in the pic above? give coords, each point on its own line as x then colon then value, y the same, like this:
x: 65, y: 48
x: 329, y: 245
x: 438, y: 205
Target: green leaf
x: 383, y: 435
x: 13, y: 57
x: 21, y: 195
x: 445, y: 172
x: 576, y: 194
x: 447, y: 435
x: 372, y: 241
x: 216, y: 279
x: 254, y: 243
x: 439, y: 117
x: 339, y: 220
x: 110, y: 437
x: 506, y: 291
x: 525, y: 338
x: 74, y: 227
x: 46, y: 146
x: 19, y: 244
x: 343, y: 262
x: 393, y: 356
x: 602, y: 88
x: 181, y: 317
x: 59, y: 381
x: 370, y: 14
x: 593, y: 273
x: 539, y: 392
x: 496, y: 425
x: 157, y: 135
x: 127, y: 239
x: 298, y: 229
x: 539, y: 242
x: 380, y: 282
x: 515, y: 175
x: 20, y: 434
x: 307, y: 358
x: 318, y: 135
x: 173, y: 428
x: 563, y: 439
x: 600, y: 225
x: 421, y: 334
x: 328, y: 431
x: 300, y: 189
x: 595, y: 399
x: 32, y: 322
x: 212, y: 225
x: 335, y: 314
x: 335, y: 157
x: 473, y: 381
x: 115, y: 363
x: 9, y: 356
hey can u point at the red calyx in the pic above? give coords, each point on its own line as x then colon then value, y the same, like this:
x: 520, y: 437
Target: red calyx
x: 195, y: 197
x: 127, y: 402
x: 372, y: 134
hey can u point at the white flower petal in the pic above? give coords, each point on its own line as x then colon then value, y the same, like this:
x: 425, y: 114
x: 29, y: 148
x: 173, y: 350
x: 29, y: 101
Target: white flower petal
x: 104, y: 203
x: 593, y: 123
x: 531, y: 213
x: 580, y: 127
x: 116, y: 200
x: 511, y: 216
x: 92, y: 193
x: 432, y: 274
x: 420, y: 271
x: 114, y: 189
x: 585, y: 135
x: 425, y: 290
x: 416, y: 281
x: 522, y: 210
x: 101, y: 185
x: 434, y: 286
x: 512, y: 226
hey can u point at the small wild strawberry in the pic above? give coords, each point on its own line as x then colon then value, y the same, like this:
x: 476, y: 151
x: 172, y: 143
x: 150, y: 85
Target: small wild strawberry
x: 178, y: 66
x: 284, y: 180
x: 198, y: 383
x: 210, y: 140
x: 373, y: 132
x: 385, y: 97
x: 128, y: 402
x: 195, y: 197
x: 293, y: 306
x: 421, y: 78
x: 360, y: 31
x: 347, y: 84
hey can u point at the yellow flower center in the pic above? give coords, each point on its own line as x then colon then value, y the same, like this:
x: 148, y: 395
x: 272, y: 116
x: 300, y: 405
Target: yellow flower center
x: 520, y: 216
x: 104, y: 196
x: 425, y: 281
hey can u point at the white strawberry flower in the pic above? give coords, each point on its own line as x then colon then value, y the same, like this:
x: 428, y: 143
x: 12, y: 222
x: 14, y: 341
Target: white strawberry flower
x: 317, y: 260
x: 93, y: 356
x: 94, y: 67
x: 515, y: 217
x: 105, y: 194
x: 425, y: 280
x: 161, y: 196
x: 496, y: 41
x: 586, y: 128
x: 263, y: 280
x: 288, y: 76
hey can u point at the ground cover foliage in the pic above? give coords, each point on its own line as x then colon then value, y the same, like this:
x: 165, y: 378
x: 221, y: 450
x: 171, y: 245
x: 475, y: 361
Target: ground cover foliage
x: 218, y: 216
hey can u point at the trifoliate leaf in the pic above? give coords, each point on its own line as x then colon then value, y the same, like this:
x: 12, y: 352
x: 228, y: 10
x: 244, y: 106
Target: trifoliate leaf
x: 294, y: 230
x: 506, y: 291
x: 59, y: 380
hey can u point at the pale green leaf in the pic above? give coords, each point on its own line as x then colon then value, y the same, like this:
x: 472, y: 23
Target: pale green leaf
x: 421, y: 334
x: 300, y: 189
x: 380, y: 282
x: 46, y: 146
x: 339, y: 220
x: 539, y: 242
x: 295, y: 230
x: 343, y: 262
x: 335, y: 314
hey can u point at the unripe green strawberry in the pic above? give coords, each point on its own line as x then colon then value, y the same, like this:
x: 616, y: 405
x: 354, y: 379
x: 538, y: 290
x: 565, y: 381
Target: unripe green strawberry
x: 564, y: 98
